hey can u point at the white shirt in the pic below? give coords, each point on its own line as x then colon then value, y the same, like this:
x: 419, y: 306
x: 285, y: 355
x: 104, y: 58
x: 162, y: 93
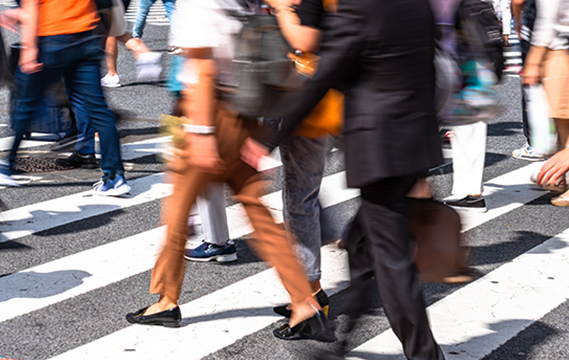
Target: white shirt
x: 205, y: 24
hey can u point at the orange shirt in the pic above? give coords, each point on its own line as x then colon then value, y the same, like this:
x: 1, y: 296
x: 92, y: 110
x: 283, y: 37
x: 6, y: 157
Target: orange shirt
x: 58, y: 17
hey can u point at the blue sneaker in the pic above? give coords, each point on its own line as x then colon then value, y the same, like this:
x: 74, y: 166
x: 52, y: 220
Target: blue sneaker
x: 5, y: 175
x: 115, y: 186
x: 208, y: 252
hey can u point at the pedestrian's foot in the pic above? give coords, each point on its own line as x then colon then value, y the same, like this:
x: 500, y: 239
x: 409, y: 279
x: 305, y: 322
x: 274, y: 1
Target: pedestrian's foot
x: 86, y: 161
x: 110, y: 81
x: 469, y: 203
x: 147, y: 316
x: 112, y: 186
x: 528, y: 153
x: 148, y: 67
x: 212, y: 252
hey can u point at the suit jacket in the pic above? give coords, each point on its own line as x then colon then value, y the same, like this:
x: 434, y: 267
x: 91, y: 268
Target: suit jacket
x: 380, y: 54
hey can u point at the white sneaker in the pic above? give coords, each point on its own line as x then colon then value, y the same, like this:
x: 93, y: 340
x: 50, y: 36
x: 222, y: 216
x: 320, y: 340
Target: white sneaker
x: 526, y: 152
x: 110, y: 81
x: 148, y: 67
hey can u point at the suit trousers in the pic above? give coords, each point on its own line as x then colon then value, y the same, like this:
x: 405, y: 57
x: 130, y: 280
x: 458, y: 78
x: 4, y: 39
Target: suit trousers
x: 380, y: 245
x: 269, y: 241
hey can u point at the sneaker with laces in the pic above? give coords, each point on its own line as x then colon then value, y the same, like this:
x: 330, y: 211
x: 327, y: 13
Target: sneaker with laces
x: 212, y: 252
x: 112, y: 186
x: 528, y: 153
x: 110, y: 81
x: 469, y: 203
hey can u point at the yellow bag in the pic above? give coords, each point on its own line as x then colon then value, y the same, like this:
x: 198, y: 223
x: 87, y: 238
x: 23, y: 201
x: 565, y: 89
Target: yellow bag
x: 328, y: 116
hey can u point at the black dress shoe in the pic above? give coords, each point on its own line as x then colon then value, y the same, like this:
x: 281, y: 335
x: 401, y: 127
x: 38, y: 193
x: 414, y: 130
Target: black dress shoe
x: 321, y: 297
x: 87, y: 161
x: 168, y: 318
x: 315, y: 328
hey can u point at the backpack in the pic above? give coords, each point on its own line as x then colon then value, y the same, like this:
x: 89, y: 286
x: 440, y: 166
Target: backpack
x: 483, y: 33
x: 262, y: 70
x: 464, y: 93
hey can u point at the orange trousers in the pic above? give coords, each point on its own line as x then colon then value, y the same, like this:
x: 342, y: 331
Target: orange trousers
x: 270, y: 241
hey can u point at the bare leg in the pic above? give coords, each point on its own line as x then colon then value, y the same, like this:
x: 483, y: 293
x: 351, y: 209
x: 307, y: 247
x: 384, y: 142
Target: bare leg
x: 133, y: 44
x: 111, y: 55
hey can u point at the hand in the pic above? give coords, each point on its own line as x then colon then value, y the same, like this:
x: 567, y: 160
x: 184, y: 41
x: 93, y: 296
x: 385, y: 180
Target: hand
x: 531, y: 74
x: 554, y: 168
x: 252, y: 152
x: 29, y: 60
x: 201, y: 151
x: 10, y: 19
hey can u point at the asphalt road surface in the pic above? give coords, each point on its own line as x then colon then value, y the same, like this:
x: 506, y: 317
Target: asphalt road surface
x: 72, y: 265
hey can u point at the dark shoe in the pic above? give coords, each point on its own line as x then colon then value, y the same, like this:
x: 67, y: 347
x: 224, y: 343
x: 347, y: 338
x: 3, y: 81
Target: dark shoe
x: 212, y: 252
x: 469, y: 203
x: 321, y: 297
x: 87, y: 161
x: 315, y: 328
x: 168, y: 318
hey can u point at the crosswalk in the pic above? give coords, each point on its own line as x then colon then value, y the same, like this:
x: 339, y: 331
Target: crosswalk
x: 513, y: 56
x: 70, y: 303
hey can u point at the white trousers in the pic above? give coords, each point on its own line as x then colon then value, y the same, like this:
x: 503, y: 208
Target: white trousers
x: 468, y: 153
x: 211, y: 206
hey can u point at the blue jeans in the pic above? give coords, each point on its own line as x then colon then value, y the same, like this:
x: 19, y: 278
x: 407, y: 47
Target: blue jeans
x: 76, y: 58
x: 303, y: 161
x: 142, y: 13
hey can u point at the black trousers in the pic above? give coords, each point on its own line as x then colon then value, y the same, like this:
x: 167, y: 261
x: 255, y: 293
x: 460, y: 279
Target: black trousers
x: 380, y: 245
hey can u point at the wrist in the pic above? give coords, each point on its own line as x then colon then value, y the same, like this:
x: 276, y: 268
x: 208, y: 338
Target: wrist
x: 199, y: 129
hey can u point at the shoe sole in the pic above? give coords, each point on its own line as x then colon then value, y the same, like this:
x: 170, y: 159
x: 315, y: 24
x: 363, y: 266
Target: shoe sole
x: 469, y: 209
x: 113, y: 192
x: 111, y: 85
x: 218, y: 258
x: 528, y: 158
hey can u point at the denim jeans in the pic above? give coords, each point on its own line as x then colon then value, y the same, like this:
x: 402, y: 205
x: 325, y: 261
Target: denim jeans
x: 303, y: 160
x: 76, y: 58
x: 142, y: 13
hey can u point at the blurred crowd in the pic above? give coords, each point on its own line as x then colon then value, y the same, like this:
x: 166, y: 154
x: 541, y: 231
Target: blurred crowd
x: 384, y: 80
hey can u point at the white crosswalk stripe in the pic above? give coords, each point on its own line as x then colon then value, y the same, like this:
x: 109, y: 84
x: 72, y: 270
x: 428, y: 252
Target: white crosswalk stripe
x: 25, y: 292
x: 513, y: 56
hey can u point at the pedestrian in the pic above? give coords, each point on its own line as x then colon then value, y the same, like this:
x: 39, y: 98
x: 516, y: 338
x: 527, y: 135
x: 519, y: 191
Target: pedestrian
x: 548, y: 62
x: 148, y: 66
x: 303, y: 154
x: 380, y: 53
x: 59, y: 40
x: 214, y: 135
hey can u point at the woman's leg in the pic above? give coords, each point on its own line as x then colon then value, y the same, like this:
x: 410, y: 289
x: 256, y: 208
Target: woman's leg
x: 168, y: 272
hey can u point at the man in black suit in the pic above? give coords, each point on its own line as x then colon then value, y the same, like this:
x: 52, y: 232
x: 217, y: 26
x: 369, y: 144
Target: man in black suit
x: 380, y: 54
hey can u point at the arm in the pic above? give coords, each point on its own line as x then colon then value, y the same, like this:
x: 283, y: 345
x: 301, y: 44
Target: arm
x: 199, y: 108
x: 341, y: 44
x: 10, y: 19
x: 303, y: 38
x: 517, y: 6
x: 29, y: 39
x: 542, y: 39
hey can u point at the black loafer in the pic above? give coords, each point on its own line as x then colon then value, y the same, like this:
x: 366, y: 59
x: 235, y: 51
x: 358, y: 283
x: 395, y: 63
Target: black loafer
x: 321, y: 297
x: 315, y: 328
x: 168, y: 318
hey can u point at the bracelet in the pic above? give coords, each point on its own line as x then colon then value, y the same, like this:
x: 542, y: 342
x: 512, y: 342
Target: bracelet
x: 199, y: 129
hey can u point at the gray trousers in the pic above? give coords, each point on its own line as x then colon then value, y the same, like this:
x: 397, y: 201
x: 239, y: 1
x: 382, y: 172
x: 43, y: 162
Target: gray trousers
x: 303, y: 160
